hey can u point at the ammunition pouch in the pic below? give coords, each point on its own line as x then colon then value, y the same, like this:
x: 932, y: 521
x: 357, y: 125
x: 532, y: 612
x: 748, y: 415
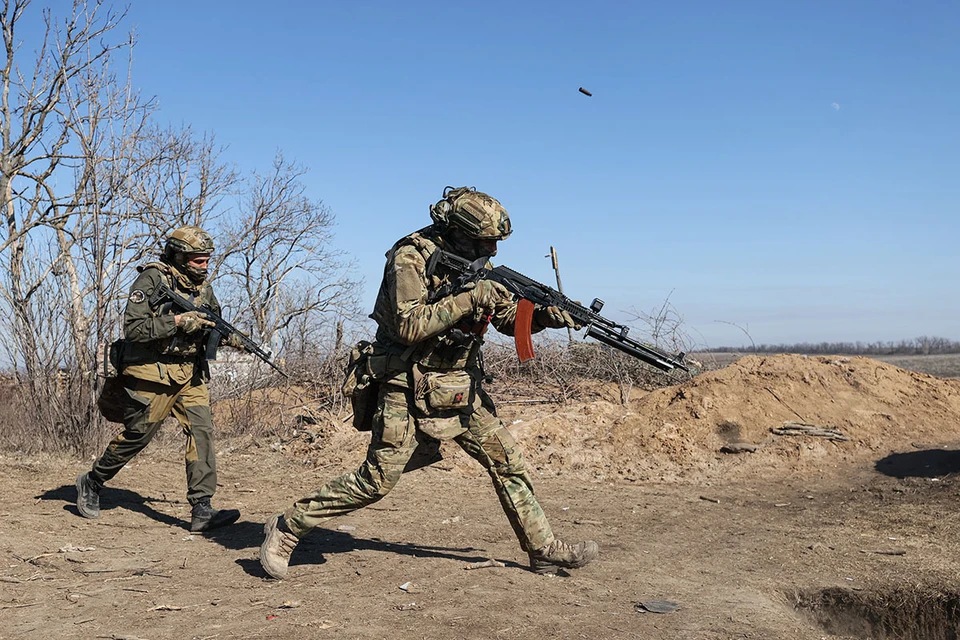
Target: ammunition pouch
x: 453, y: 349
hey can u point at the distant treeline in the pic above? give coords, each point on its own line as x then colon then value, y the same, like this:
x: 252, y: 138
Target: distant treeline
x: 924, y: 345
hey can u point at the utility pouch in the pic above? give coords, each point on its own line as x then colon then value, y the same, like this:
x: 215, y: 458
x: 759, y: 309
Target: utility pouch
x: 443, y: 390
x: 442, y: 428
x: 110, y: 357
x: 112, y: 400
x: 360, y: 385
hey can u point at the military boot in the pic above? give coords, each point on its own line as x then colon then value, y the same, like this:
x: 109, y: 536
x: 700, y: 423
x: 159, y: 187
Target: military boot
x: 560, y: 555
x: 277, y: 546
x: 205, y: 517
x: 88, y: 496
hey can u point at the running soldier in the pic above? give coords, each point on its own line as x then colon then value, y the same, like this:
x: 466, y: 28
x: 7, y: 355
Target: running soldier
x: 427, y: 361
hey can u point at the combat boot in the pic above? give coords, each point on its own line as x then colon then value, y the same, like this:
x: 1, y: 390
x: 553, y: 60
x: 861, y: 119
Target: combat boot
x: 560, y: 555
x: 277, y: 546
x: 205, y: 517
x: 88, y: 496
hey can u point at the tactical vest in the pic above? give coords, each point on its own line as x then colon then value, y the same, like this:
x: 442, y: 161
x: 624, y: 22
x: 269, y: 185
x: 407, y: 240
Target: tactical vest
x: 179, y: 347
x: 455, y: 348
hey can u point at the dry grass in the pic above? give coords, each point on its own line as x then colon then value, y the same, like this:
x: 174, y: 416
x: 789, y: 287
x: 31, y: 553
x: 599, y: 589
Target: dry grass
x: 253, y: 401
x: 942, y: 366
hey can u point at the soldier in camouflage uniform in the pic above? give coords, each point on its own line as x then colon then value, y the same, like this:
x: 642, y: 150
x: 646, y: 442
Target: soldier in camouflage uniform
x: 163, y: 373
x: 427, y: 359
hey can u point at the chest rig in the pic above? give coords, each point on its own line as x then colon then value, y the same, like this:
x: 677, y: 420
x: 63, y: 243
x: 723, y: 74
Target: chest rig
x: 458, y: 347
x: 180, y: 345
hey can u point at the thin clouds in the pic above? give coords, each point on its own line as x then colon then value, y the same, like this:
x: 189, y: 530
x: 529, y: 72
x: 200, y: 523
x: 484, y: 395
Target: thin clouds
x: 835, y: 105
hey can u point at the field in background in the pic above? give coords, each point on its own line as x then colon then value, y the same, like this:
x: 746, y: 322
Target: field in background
x: 941, y: 365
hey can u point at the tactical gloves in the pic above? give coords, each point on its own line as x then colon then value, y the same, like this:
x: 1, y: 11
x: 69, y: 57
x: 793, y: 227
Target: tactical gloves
x: 234, y: 341
x: 554, y: 318
x: 483, y: 297
x: 489, y: 295
x: 192, y: 321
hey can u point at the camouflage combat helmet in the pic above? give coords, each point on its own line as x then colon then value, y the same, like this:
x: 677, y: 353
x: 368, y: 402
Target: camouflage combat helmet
x: 473, y: 212
x: 189, y: 240
x: 184, y: 242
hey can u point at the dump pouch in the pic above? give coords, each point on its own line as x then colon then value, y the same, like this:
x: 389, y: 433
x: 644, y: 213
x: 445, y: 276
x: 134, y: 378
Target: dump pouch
x: 442, y: 428
x: 360, y: 386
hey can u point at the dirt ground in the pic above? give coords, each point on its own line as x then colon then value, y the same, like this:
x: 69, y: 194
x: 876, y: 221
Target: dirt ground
x: 848, y: 531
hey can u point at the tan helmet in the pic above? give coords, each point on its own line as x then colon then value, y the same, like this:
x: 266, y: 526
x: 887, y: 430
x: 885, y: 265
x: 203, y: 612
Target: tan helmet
x: 473, y: 212
x: 184, y: 243
x: 188, y: 240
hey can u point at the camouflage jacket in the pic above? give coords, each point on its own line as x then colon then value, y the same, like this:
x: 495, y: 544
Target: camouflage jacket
x: 438, y: 334
x: 154, y: 348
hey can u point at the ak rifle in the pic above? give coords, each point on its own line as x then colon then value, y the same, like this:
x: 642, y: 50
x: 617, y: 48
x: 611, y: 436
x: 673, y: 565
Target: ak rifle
x: 220, y: 330
x: 531, y: 294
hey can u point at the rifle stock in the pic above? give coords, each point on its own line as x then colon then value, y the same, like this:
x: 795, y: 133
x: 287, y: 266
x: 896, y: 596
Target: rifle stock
x: 531, y: 294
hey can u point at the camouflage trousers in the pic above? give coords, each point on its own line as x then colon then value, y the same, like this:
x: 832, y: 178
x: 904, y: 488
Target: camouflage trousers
x: 147, y: 405
x: 393, y: 441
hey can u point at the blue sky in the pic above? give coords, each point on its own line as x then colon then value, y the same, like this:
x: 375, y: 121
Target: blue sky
x: 790, y: 169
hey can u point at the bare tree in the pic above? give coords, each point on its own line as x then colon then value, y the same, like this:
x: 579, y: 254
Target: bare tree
x: 278, y: 262
x: 43, y: 105
x: 89, y: 187
x: 664, y: 325
x: 282, y: 281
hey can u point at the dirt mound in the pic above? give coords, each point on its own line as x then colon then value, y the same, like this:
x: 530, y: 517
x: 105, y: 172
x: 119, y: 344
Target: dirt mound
x: 680, y: 430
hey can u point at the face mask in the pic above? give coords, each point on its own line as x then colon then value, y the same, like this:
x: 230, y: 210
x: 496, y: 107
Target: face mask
x: 197, y: 276
x: 487, y: 248
x: 467, y: 247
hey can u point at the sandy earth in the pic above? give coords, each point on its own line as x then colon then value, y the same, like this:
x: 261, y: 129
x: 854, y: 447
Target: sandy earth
x: 856, y: 533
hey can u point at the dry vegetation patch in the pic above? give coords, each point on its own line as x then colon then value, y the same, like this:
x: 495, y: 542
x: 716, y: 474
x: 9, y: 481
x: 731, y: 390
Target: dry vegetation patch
x: 580, y: 426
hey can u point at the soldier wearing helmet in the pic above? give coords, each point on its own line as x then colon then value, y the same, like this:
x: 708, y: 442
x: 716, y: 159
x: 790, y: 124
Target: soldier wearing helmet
x: 163, y: 373
x: 427, y: 363
x: 186, y: 245
x: 471, y: 222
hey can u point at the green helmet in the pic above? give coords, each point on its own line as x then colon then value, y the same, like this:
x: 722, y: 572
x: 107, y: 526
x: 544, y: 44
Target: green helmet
x: 188, y: 240
x: 473, y: 212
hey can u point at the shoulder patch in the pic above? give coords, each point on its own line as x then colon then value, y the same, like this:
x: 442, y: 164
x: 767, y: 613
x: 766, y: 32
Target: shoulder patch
x: 137, y: 296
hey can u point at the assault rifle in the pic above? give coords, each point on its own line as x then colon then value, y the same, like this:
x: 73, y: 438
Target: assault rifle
x: 529, y: 292
x: 221, y: 329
